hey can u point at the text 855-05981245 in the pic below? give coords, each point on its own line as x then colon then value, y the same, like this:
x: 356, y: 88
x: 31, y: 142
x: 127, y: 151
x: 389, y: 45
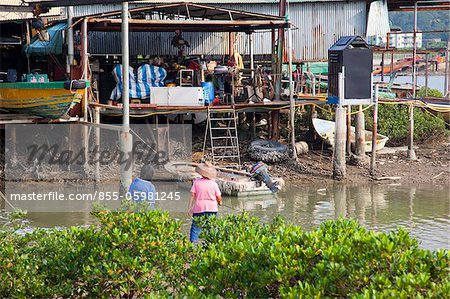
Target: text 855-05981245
x: 153, y: 196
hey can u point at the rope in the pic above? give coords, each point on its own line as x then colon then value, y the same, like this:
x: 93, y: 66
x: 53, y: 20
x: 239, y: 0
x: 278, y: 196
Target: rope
x: 421, y: 105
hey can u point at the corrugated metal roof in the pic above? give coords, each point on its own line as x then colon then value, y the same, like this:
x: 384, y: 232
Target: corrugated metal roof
x: 102, y: 8
x: 319, y: 26
x: 15, y: 16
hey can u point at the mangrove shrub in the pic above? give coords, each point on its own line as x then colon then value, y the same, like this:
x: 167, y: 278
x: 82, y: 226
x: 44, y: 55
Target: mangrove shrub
x: 134, y: 255
x: 393, y: 121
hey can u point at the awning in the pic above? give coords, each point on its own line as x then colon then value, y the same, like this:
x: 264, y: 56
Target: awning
x: 53, y: 45
x: 188, y: 17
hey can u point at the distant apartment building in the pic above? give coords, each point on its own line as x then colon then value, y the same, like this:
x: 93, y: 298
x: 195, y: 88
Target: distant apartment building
x: 405, y: 40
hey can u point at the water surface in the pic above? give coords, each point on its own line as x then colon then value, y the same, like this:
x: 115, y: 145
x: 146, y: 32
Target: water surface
x: 424, y: 211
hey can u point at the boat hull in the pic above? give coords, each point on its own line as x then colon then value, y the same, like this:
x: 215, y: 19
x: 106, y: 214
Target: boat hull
x: 48, y: 100
x: 326, y: 130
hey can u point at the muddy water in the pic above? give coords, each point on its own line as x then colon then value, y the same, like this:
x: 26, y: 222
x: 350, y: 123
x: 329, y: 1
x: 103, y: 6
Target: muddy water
x: 424, y: 211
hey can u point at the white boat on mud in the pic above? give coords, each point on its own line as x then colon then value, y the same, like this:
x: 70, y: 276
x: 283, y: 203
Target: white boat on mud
x: 231, y: 182
x: 327, y: 131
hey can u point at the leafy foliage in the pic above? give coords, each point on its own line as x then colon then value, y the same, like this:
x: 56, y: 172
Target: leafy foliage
x: 431, y: 92
x: 136, y: 255
x: 128, y: 255
x: 393, y: 121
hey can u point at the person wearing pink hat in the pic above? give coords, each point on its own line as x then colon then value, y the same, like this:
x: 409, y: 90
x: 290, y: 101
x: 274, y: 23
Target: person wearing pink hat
x: 205, y: 198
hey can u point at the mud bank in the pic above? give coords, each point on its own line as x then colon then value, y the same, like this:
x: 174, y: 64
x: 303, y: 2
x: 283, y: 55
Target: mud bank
x: 315, y: 167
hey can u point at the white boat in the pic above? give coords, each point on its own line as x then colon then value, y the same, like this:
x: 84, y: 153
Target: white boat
x: 326, y: 130
x: 231, y: 182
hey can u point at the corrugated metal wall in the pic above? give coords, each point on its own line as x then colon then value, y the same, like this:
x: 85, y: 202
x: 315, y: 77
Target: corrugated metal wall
x: 318, y: 24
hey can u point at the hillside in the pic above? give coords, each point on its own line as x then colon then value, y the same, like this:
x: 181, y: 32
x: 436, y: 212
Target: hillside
x: 426, y: 20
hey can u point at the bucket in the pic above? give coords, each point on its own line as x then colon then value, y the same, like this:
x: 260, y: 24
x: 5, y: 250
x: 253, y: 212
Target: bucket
x: 208, y: 92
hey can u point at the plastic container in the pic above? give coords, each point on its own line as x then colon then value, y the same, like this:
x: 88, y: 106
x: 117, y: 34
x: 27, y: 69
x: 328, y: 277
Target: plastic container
x: 208, y: 92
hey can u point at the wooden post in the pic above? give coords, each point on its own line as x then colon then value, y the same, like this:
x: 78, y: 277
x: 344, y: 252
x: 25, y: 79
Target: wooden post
x: 126, y: 142
x: 374, y: 131
x: 360, y: 136
x: 411, y: 153
x: 231, y: 36
x: 2, y: 165
x: 339, y: 144
x: 320, y: 81
x: 274, y: 59
x: 84, y: 104
x: 97, y: 143
x: 313, y: 85
x: 291, y: 94
x: 382, y: 66
x: 85, y: 67
x: 447, y: 72
x: 252, y: 62
x: 280, y: 51
x: 426, y: 74
x: 275, y: 118
x: 349, y: 130
x: 70, y: 48
x: 414, y: 62
x: 28, y: 40
x: 340, y: 134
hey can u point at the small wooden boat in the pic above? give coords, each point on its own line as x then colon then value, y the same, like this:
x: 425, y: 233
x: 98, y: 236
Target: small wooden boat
x: 49, y: 100
x: 326, y: 130
x: 231, y: 182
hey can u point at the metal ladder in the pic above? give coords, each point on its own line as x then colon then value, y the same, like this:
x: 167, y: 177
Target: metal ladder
x: 223, y: 135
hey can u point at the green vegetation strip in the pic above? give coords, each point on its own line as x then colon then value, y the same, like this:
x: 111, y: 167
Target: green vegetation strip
x: 135, y: 255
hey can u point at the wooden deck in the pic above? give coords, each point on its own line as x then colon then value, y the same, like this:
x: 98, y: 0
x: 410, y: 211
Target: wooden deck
x: 151, y: 109
x: 10, y: 118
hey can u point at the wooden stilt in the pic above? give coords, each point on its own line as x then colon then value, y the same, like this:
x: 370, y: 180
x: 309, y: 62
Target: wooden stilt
x: 360, y: 136
x: 339, y: 146
x: 275, y: 125
x: 349, y: 131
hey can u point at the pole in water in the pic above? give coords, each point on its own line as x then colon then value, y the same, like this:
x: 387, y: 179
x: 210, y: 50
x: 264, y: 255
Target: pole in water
x: 348, y: 145
x: 447, y: 72
x: 360, y: 136
x: 126, y: 143
x: 291, y: 94
x: 340, y: 136
x: 411, y: 153
x: 426, y: 74
x: 374, y: 131
x: 414, y: 61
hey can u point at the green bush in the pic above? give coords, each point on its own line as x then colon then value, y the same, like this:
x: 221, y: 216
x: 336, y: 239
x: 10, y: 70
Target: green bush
x: 431, y: 92
x: 136, y: 255
x: 128, y: 255
x: 393, y: 121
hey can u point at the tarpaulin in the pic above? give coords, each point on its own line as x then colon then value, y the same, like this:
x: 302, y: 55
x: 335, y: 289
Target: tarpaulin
x: 53, y: 45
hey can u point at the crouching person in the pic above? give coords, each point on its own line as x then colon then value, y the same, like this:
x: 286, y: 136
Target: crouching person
x: 141, y: 189
x: 205, y: 198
